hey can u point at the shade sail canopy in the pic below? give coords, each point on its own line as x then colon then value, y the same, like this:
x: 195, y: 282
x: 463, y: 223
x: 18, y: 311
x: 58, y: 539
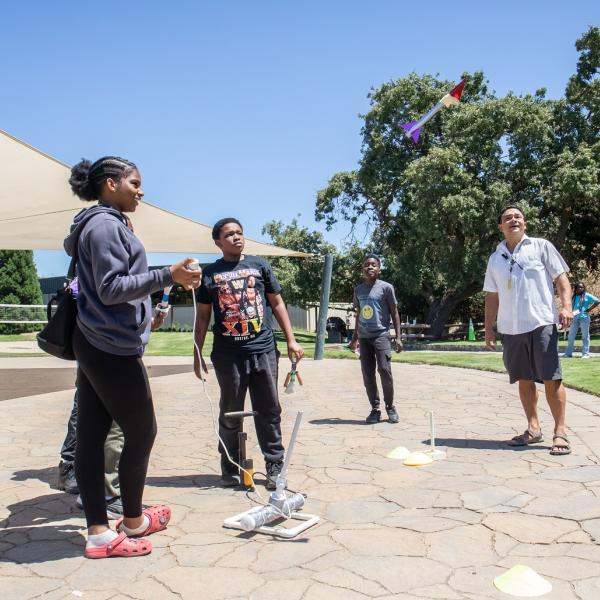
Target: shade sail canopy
x: 37, y: 207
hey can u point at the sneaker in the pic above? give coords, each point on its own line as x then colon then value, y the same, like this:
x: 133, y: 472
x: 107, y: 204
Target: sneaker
x: 66, y: 478
x: 230, y: 476
x: 585, y: 356
x: 230, y: 480
x: 374, y: 417
x: 114, y: 507
x: 273, y: 470
x: 565, y: 355
x: 392, y: 414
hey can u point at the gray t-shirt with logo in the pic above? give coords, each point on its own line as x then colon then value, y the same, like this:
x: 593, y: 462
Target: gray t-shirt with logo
x: 374, y: 305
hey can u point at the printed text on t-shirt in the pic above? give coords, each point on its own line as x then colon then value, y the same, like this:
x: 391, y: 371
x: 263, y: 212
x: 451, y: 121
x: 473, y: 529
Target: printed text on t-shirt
x: 240, y: 305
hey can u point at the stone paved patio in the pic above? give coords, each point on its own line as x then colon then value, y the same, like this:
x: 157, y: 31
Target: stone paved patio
x: 388, y: 531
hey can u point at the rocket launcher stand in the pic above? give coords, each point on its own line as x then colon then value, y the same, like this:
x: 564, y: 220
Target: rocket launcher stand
x: 280, y: 506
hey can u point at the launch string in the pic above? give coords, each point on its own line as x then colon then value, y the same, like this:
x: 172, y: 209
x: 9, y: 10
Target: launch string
x: 216, y: 426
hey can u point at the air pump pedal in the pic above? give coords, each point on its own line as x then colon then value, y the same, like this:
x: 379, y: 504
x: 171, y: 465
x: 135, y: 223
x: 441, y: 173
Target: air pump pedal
x: 247, y: 471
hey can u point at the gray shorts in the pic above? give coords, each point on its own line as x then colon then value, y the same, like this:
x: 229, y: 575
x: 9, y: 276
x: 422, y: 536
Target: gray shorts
x: 533, y: 355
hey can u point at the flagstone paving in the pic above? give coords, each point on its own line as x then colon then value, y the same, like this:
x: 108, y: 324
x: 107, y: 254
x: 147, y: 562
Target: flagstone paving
x: 442, y: 531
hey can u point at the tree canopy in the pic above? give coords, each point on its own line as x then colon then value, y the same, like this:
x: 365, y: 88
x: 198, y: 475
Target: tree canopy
x: 433, y: 207
x: 19, y: 284
x: 301, y: 278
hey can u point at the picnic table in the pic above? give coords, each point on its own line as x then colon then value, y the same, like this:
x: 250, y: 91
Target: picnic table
x: 413, y: 331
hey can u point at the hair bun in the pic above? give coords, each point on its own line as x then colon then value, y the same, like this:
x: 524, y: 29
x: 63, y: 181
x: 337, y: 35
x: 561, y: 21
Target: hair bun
x: 80, y: 181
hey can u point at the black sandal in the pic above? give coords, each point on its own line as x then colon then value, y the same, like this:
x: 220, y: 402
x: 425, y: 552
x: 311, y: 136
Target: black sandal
x: 526, y: 438
x: 561, y: 449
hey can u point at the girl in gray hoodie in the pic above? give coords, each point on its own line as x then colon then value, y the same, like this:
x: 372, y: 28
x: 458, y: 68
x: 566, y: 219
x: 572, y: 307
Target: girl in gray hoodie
x: 113, y: 326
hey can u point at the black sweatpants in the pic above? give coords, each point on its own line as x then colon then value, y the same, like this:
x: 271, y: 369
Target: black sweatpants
x: 377, y: 352
x: 236, y: 374
x: 111, y: 387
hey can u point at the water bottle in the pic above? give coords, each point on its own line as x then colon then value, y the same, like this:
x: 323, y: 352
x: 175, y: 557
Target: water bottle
x: 271, y: 512
x: 163, y: 305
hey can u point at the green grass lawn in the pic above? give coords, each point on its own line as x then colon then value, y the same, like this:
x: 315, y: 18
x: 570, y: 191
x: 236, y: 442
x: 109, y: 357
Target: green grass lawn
x: 171, y: 343
x: 21, y: 354
x: 562, y: 342
x: 579, y: 374
x: 18, y: 337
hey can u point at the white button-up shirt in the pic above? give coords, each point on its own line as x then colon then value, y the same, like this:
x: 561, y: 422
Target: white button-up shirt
x: 524, y: 282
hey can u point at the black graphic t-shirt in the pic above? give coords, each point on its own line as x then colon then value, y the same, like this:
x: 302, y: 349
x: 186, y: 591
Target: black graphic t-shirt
x: 237, y: 292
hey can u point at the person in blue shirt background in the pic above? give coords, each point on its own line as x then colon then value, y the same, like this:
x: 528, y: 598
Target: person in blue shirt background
x: 584, y: 302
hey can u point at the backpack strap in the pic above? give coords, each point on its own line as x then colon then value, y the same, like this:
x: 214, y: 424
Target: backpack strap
x: 71, y: 271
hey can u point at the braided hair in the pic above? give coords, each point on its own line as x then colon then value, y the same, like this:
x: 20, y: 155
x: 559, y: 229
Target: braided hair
x: 87, y: 178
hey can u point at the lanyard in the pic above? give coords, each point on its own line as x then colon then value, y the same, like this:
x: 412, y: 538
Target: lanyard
x: 512, y: 262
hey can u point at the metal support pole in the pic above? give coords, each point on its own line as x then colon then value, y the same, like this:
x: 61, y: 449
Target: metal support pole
x: 242, y: 437
x: 432, y: 431
x: 323, y: 307
x: 434, y: 452
x: 282, y: 478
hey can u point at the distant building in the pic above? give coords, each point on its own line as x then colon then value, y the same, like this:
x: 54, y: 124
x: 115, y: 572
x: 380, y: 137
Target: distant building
x: 50, y: 285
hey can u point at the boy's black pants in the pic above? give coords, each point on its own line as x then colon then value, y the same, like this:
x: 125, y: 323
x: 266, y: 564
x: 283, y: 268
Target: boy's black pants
x: 236, y: 374
x: 377, y: 352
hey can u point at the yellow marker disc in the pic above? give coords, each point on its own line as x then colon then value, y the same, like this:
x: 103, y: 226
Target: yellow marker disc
x: 418, y: 459
x: 399, y: 453
x: 522, y: 581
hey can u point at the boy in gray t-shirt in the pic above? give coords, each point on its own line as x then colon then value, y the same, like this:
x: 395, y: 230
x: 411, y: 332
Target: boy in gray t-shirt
x: 375, y: 302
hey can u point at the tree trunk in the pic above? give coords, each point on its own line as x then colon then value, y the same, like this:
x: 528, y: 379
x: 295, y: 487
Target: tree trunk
x: 565, y: 222
x: 441, y: 309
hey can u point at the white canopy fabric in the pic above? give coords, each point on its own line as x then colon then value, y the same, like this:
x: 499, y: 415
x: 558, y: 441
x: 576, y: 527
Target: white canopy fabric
x: 37, y: 207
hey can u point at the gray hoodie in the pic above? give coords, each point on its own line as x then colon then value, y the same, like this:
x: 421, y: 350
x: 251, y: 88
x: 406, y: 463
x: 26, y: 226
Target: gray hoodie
x: 114, y: 308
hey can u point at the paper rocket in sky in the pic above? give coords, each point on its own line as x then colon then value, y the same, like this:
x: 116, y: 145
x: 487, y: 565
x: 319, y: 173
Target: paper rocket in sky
x: 413, y: 130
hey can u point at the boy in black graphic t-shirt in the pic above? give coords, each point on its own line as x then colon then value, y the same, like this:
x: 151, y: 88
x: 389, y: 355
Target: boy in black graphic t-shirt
x: 244, y: 294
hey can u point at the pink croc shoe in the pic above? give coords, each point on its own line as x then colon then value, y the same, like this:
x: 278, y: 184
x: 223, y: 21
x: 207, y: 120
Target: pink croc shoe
x: 120, y: 546
x: 159, y: 517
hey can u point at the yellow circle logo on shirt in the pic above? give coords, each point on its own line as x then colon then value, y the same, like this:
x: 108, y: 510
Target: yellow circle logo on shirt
x: 367, y: 312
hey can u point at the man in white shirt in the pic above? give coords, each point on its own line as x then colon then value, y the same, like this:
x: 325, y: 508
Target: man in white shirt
x: 519, y: 286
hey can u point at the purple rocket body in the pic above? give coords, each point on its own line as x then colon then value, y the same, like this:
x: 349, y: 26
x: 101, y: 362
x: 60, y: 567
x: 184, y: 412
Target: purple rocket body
x: 413, y: 129
x: 415, y: 133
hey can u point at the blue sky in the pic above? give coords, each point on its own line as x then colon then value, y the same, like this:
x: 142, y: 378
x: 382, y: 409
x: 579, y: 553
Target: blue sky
x: 246, y: 109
